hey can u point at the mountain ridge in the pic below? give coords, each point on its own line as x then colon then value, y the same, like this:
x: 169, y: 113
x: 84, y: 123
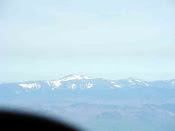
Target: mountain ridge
x: 86, y: 82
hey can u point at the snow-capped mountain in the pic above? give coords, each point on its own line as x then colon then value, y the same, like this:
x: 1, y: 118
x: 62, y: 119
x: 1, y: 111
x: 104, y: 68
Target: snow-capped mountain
x: 72, y: 81
x: 132, y: 82
x: 83, y: 82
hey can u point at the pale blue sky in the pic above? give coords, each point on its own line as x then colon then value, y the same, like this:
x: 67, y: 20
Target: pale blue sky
x: 46, y: 39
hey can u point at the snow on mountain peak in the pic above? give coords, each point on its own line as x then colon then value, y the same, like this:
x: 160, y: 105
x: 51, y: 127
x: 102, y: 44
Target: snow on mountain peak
x: 135, y: 81
x: 30, y: 86
x: 68, y: 78
x: 132, y: 79
x: 76, y: 77
x: 86, y: 82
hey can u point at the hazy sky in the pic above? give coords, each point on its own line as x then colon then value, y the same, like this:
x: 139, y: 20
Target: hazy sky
x: 46, y: 39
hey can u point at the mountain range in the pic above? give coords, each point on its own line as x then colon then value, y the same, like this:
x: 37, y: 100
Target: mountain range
x: 85, y: 82
x: 85, y: 86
